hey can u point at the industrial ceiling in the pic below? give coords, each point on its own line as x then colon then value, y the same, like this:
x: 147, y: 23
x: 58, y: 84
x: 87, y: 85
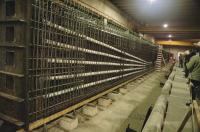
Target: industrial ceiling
x: 182, y: 16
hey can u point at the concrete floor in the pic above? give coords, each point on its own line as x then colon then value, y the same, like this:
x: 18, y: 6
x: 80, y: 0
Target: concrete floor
x: 138, y: 115
x: 177, y: 109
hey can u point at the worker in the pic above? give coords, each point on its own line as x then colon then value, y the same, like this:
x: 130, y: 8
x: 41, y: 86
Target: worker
x: 193, y: 66
x: 184, y: 61
x: 187, y: 56
x: 181, y: 61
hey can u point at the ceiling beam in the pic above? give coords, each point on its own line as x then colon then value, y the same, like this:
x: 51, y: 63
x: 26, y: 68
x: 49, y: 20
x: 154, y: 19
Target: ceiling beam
x: 194, y: 40
x: 174, y: 43
x: 174, y: 30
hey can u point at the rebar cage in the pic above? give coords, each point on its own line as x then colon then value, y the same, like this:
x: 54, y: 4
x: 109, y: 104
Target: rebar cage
x: 65, y: 53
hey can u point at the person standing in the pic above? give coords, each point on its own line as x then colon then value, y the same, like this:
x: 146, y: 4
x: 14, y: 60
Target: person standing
x: 193, y: 66
x: 187, y: 57
x: 181, y: 61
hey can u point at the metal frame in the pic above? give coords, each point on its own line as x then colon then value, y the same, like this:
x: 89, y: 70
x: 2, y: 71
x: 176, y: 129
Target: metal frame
x: 70, y: 54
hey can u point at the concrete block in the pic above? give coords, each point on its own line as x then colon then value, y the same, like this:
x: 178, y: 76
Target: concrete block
x: 123, y: 90
x: 180, y: 85
x: 171, y: 76
x: 155, y: 121
x: 90, y: 110
x: 104, y: 102
x: 180, y: 79
x: 131, y: 85
x: 169, y: 82
x: 166, y: 88
x: 68, y: 123
x: 139, y: 81
x: 155, y: 125
x: 81, y: 117
x: 114, y: 96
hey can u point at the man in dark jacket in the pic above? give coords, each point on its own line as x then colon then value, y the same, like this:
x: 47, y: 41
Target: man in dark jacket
x: 181, y: 61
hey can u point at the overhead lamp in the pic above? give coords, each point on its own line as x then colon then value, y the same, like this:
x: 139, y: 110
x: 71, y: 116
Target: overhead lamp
x: 152, y: 1
x: 169, y: 35
x: 165, y: 25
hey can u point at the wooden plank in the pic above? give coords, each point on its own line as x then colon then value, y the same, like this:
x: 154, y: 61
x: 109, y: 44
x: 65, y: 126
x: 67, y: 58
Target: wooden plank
x: 196, y: 112
x: 185, y: 120
x: 43, y: 121
x: 11, y: 97
x: 12, y: 74
x: 11, y: 120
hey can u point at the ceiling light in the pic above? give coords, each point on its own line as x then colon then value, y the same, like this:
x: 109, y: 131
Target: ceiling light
x: 151, y: 1
x: 165, y: 25
x: 169, y: 35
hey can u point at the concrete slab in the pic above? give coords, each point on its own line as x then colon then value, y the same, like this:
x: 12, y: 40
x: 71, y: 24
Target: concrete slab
x: 90, y: 110
x: 123, y: 90
x: 180, y: 85
x: 114, y: 96
x: 68, y: 124
x: 180, y: 93
x: 166, y: 90
x: 180, y: 79
x: 155, y: 121
x: 177, y: 108
x: 171, y: 76
x: 104, y: 102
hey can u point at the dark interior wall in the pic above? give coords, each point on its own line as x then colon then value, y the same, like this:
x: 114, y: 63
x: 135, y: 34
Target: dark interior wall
x: 109, y: 11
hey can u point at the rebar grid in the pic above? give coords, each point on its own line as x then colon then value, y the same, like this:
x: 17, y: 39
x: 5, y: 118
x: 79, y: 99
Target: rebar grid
x: 75, y: 55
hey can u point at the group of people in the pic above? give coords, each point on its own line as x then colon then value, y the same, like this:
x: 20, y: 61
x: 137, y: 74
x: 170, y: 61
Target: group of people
x: 190, y: 62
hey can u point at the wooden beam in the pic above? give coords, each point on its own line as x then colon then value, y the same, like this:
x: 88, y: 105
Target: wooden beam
x: 185, y: 120
x: 196, y: 112
x: 11, y: 120
x: 173, y: 30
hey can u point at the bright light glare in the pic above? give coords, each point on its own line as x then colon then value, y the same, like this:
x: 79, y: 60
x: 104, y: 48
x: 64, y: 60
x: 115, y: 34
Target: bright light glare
x: 169, y: 35
x: 165, y: 25
x: 152, y: 1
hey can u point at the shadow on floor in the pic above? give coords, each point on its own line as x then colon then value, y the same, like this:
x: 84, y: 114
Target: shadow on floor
x: 128, y: 129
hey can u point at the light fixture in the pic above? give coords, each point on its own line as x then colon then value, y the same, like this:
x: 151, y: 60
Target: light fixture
x: 169, y: 35
x: 152, y: 1
x: 165, y: 25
